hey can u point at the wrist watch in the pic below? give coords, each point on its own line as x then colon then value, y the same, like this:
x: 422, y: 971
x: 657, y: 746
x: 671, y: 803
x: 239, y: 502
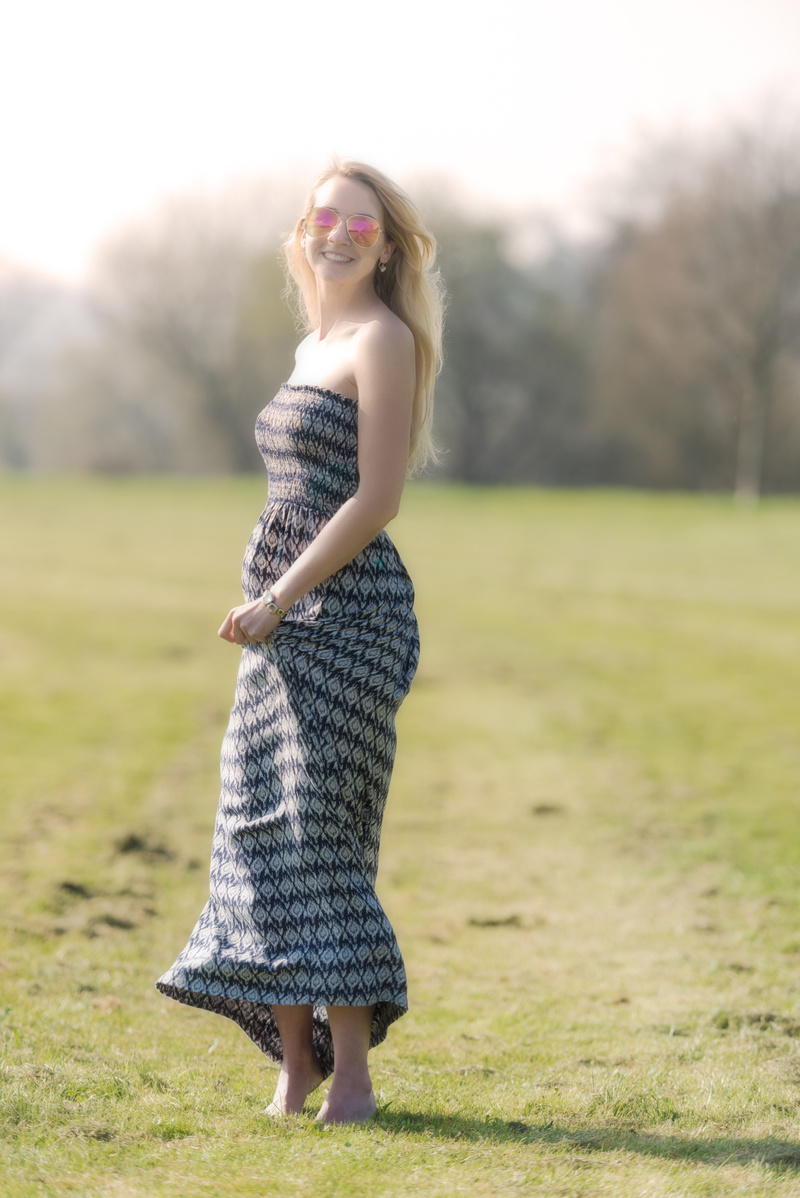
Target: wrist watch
x: 269, y: 601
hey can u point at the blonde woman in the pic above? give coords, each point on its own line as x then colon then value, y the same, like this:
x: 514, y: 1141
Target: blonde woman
x: 293, y: 944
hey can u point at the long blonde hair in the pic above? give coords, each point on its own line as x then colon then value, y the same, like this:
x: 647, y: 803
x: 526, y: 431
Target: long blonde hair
x: 411, y: 287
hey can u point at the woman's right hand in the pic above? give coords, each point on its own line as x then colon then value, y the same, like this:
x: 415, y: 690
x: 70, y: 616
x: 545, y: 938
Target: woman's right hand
x: 248, y: 624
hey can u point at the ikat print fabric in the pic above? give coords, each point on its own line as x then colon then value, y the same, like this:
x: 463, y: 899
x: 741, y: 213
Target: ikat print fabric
x: 292, y: 916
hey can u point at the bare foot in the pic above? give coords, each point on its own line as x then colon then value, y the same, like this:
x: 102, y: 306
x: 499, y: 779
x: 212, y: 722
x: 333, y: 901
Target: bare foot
x: 293, y: 1089
x: 347, y: 1104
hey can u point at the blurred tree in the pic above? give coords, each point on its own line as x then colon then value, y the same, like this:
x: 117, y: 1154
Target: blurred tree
x: 185, y: 293
x: 265, y: 335
x: 114, y: 412
x: 698, y: 320
x: 511, y: 395
x: 667, y: 353
x: 747, y: 262
x: 24, y: 297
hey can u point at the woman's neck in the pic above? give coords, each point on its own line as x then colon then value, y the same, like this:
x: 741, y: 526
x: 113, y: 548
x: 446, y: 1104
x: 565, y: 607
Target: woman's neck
x: 338, y: 303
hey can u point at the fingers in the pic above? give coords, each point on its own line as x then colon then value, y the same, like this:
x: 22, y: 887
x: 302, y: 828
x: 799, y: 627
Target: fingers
x: 245, y: 625
x: 234, y: 631
x: 238, y: 634
x: 225, y: 629
x: 252, y: 638
x: 231, y: 628
x: 246, y: 639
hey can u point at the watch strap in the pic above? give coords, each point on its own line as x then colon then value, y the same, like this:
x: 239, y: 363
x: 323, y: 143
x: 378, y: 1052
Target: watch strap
x: 268, y: 599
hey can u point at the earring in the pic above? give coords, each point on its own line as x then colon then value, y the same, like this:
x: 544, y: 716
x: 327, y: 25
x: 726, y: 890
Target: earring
x: 382, y: 267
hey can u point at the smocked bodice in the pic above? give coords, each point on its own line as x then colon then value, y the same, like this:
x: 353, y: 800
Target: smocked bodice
x: 308, y: 437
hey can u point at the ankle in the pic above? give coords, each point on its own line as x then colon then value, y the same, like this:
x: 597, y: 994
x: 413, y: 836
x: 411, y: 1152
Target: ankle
x: 354, y: 1080
x: 298, y: 1063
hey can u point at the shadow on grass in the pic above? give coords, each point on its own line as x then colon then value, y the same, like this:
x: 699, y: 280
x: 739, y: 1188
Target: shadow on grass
x: 780, y: 1155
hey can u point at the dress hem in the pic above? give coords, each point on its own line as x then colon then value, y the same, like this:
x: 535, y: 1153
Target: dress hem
x: 258, y: 1023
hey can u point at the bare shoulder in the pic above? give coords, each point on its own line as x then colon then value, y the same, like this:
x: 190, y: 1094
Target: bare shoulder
x: 391, y: 328
x: 386, y: 341
x: 302, y: 350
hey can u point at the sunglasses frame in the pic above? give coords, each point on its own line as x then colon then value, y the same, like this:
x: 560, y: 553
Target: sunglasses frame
x: 343, y: 217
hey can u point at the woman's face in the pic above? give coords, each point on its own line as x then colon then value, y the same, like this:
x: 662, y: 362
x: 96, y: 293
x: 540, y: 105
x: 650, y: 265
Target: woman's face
x: 333, y: 256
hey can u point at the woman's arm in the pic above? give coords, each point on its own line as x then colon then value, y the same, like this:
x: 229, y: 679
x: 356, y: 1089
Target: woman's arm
x: 384, y: 373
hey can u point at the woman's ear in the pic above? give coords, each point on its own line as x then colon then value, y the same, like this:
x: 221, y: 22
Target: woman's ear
x: 387, y: 252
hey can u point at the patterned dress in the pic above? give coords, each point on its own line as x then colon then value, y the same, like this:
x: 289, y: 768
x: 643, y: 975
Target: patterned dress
x: 292, y: 915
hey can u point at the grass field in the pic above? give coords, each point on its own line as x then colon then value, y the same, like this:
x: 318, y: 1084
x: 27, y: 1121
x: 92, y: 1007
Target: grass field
x: 590, y: 855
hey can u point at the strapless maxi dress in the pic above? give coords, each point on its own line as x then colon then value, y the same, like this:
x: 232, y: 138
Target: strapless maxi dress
x: 292, y: 915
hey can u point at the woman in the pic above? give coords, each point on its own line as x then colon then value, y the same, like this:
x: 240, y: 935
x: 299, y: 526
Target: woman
x: 293, y: 944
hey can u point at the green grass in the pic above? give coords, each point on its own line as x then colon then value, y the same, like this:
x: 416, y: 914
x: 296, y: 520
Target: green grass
x: 590, y: 855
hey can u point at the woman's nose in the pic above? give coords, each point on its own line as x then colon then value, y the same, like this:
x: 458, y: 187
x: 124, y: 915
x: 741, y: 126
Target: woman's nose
x: 339, y: 231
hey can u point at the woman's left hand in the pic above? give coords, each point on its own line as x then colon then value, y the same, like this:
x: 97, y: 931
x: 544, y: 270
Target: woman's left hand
x: 248, y: 624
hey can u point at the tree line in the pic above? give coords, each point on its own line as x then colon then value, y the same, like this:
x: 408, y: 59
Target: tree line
x: 663, y: 351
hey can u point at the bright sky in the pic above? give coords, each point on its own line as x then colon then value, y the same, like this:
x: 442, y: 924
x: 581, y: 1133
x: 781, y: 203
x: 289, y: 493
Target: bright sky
x: 107, y: 106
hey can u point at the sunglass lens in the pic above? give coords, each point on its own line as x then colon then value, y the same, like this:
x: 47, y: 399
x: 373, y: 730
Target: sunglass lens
x: 363, y: 230
x: 320, y: 221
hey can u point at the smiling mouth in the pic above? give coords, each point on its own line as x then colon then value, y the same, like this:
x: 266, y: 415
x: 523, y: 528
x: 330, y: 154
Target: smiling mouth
x: 334, y: 257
